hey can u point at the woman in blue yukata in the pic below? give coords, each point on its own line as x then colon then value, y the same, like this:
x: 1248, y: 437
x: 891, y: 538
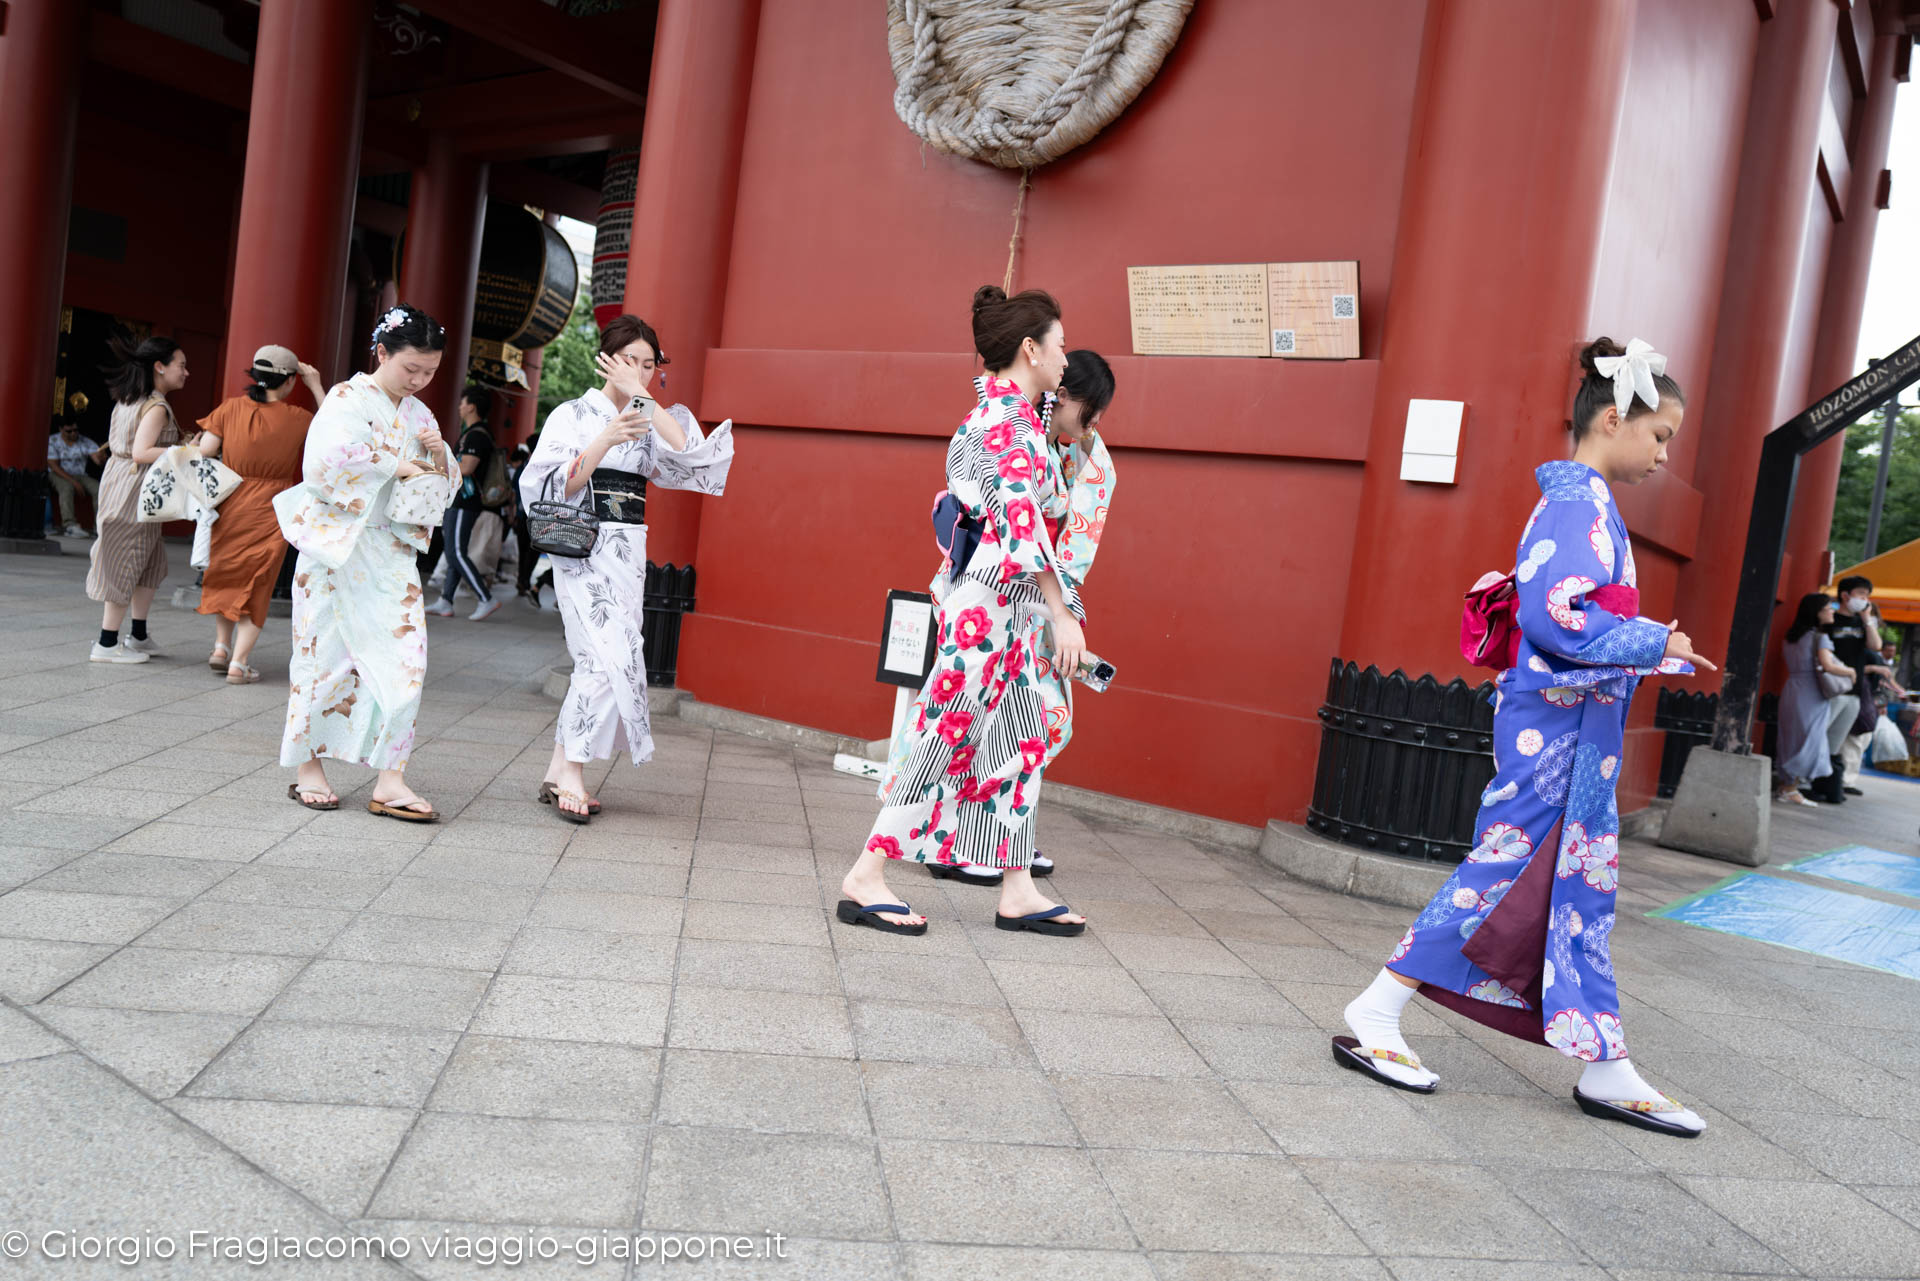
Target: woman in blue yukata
x: 1518, y: 938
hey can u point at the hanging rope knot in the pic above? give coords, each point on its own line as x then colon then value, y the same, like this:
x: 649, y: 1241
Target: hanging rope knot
x: 1015, y: 86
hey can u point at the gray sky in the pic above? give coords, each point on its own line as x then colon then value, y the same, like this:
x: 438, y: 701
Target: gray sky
x: 1892, y: 314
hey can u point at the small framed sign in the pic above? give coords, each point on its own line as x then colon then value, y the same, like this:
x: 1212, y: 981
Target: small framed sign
x: 906, y: 640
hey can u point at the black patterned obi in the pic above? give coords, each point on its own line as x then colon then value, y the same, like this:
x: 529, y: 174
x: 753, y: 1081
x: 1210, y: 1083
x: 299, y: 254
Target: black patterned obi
x: 619, y: 496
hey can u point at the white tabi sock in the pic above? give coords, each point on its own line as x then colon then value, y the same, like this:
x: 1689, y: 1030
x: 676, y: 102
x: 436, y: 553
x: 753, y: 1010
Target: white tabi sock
x: 1374, y: 1019
x: 1616, y: 1081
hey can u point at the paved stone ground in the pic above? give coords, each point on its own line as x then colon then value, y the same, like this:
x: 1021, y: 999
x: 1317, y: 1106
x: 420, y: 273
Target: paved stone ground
x: 222, y: 1012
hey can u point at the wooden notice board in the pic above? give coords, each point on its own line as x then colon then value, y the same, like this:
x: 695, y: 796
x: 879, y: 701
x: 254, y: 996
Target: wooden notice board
x: 1313, y: 309
x: 1293, y: 310
x: 1199, y: 311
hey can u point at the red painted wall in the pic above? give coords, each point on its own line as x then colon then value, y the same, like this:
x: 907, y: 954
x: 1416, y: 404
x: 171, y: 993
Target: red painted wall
x: 1222, y: 580
x: 1663, y: 259
x: 155, y: 161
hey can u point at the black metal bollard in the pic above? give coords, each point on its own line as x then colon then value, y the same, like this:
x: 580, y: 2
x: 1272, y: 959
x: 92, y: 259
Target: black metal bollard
x: 669, y: 595
x: 1403, y: 763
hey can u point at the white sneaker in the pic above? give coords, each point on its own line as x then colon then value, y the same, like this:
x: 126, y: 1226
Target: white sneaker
x: 440, y: 609
x: 484, y: 610
x: 74, y: 531
x: 147, y: 646
x: 116, y: 654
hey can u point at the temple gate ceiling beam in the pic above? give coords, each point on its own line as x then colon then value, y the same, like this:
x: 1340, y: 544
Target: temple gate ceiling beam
x: 575, y: 46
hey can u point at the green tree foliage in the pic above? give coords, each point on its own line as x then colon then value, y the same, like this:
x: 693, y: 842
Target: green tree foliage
x: 1900, y: 514
x: 567, y: 369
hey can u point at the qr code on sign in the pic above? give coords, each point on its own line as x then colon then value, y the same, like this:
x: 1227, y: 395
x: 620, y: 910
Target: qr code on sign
x: 1343, y: 307
x: 1283, y: 342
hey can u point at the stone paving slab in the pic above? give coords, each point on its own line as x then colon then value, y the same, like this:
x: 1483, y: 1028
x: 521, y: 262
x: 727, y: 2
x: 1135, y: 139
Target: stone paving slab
x: 219, y: 1011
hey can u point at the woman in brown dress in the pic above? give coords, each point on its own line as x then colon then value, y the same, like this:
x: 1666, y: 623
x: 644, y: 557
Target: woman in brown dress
x: 261, y: 435
x: 128, y: 560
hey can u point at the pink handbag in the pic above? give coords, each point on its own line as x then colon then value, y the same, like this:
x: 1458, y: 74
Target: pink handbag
x: 1490, y: 624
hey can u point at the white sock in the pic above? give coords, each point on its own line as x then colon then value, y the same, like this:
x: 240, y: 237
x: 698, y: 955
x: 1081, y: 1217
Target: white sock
x: 1374, y: 1019
x: 1616, y: 1081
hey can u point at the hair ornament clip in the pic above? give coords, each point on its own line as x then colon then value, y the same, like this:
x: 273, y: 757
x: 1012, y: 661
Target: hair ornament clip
x: 395, y: 317
x: 1633, y: 374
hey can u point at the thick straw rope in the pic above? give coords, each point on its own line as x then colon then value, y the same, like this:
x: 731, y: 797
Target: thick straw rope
x: 1016, y: 83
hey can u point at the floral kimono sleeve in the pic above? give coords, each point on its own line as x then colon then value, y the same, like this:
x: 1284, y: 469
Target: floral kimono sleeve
x: 1017, y: 484
x: 563, y: 438
x: 344, y: 474
x: 344, y: 466
x: 1568, y: 553
x: 701, y: 465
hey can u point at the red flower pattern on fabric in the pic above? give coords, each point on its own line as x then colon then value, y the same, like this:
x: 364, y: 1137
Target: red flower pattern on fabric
x: 972, y: 627
x: 884, y: 845
x: 947, y: 684
x: 1021, y: 519
x: 954, y: 726
x: 962, y: 759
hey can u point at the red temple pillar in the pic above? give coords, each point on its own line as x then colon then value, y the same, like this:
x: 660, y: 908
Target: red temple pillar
x: 526, y: 406
x: 1500, y: 231
x: 446, y: 207
x: 1836, y: 356
x: 677, y: 266
x: 1744, y: 395
x: 40, y: 58
x: 296, y: 204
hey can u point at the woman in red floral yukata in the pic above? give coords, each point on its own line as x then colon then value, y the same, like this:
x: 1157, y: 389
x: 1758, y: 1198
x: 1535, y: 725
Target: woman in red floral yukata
x: 976, y: 739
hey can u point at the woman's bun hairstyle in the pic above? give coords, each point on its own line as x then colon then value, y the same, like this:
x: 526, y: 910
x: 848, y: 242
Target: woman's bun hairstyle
x: 1595, y: 393
x: 1001, y: 324
x: 406, y: 326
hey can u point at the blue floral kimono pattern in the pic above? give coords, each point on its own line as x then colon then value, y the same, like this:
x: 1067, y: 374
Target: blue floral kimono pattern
x: 1540, y: 967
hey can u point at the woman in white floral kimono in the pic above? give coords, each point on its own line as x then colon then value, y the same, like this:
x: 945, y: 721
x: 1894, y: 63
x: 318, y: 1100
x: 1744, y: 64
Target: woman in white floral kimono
x: 376, y: 479
x: 976, y: 741
x: 1069, y: 418
x: 593, y: 449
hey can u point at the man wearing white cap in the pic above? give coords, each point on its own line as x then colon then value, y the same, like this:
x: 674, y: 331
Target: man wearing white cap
x: 261, y: 435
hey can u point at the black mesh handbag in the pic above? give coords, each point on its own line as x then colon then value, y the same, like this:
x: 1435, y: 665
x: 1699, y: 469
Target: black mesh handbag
x: 560, y: 528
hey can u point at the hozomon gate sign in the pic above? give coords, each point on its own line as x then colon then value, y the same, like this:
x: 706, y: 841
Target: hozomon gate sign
x: 1710, y: 813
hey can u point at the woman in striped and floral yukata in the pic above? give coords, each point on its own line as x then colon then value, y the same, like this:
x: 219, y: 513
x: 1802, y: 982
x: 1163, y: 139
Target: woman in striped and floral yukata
x: 977, y: 736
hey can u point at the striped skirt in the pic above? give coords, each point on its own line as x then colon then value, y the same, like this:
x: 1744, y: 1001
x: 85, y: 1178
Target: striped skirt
x: 963, y: 782
x: 128, y: 554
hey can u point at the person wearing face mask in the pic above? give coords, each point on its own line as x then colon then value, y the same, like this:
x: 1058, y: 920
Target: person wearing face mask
x: 376, y: 477
x: 1069, y: 418
x: 1519, y: 938
x: 1855, y: 633
x: 1802, y: 757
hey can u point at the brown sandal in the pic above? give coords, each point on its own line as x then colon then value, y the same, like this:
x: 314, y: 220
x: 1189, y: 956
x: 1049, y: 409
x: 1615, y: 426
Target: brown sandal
x: 300, y: 794
x: 216, y: 664
x: 572, y: 816
x: 397, y: 809
x: 548, y: 791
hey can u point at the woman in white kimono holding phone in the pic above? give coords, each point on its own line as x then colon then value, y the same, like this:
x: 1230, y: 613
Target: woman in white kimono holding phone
x: 600, y: 450
x: 375, y: 481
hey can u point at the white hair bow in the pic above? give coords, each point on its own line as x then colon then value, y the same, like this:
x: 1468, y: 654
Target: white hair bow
x: 1632, y: 374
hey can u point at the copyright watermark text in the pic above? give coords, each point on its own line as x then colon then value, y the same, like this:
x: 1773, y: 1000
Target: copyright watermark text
x: 504, y: 1250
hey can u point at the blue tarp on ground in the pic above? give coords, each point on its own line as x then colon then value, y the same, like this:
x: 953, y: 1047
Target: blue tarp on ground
x: 1863, y: 865
x: 1831, y: 923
